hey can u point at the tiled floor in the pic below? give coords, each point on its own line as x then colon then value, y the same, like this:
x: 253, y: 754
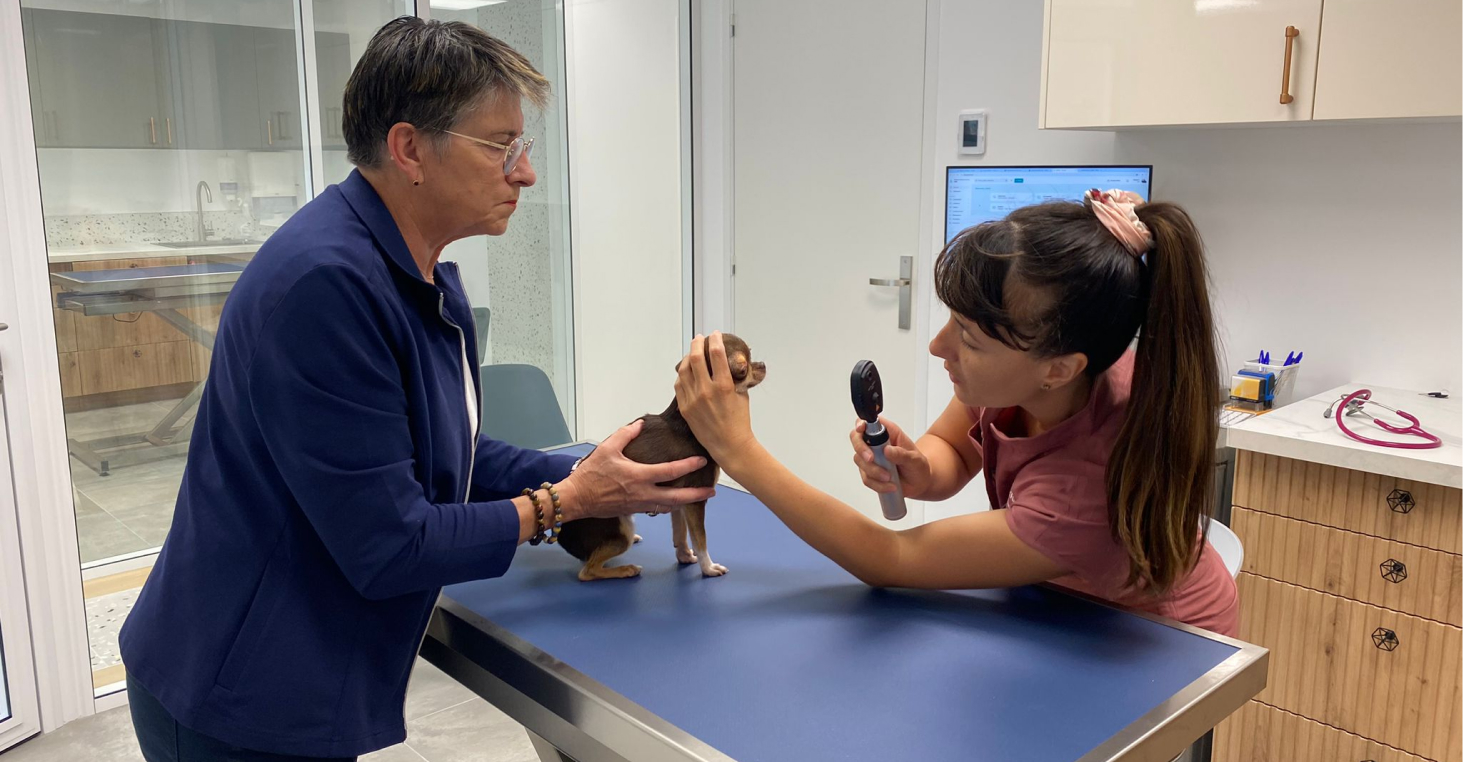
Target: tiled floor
x: 131, y: 509
x: 445, y: 723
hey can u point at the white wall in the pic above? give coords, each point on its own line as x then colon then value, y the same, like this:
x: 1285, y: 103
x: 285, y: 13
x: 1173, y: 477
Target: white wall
x: 990, y: 58
x: 625, y: 177
x: 1309, y: 228
x: 1341, y: 240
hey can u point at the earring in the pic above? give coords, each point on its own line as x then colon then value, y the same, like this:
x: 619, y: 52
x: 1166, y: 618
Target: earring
x: 1046, y: 387
x: 417, y: 181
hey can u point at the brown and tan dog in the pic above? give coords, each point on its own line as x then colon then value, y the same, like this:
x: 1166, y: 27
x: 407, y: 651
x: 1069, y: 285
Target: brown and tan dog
x: 663, y: 438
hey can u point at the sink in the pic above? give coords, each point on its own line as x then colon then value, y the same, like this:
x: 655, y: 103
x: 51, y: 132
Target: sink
x: 203, y: 244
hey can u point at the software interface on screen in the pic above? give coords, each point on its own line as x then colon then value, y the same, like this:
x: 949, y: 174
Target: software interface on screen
x: 977, y: 194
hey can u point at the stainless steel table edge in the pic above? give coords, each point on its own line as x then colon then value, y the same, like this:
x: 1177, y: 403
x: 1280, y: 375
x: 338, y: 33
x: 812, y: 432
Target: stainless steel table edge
x: 1166, y: 730
x: 577, y: 714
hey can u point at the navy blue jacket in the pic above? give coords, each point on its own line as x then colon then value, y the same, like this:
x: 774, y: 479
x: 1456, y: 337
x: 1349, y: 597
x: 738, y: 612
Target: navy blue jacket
x: 334, y: 484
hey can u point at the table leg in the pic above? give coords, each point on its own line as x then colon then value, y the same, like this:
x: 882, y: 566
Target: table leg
x: 547, y: 751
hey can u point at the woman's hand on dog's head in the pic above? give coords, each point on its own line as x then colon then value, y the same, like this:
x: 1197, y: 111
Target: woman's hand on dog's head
x: 608, y: 484
x: 719, y: 415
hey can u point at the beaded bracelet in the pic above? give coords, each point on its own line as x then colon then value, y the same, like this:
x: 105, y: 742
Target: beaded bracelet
x: 540, y: 530
x: 558, y: 512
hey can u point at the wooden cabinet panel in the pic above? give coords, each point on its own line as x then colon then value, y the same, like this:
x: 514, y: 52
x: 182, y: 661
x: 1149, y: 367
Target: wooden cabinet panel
x: 1382, y: 675
x: 1261, y: 733
x: 1423, y: 514
x: 70, y: 374
x: 135, y: 367
x: 1393, y: 575
x: 1390, y: 58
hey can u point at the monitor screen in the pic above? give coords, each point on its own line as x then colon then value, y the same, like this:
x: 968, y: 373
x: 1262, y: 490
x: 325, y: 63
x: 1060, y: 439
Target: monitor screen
x: 978, y: 194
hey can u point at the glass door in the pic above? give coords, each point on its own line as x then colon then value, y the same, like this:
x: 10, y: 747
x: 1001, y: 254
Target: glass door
x: 19, y: 718
x: 175, y: 138
x: 519, y: 282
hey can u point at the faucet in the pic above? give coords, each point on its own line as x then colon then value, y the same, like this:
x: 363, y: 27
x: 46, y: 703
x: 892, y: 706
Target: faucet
x: 198, y: 193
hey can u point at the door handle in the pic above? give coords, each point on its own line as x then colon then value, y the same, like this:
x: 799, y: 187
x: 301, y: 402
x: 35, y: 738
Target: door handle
x: 905, y: 284
x: 169, y: 121
x: 1290, y: 34
x: 3, y: 326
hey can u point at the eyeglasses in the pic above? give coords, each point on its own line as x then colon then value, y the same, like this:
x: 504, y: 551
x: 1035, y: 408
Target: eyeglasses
x: 520, y: 148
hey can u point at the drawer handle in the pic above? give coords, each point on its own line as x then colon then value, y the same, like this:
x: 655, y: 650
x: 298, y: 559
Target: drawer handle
x: 137, y: 353
x: 1285, y: 97
x: 1394, y: 571
x: 1400, y: 501
x: 1385, y: 639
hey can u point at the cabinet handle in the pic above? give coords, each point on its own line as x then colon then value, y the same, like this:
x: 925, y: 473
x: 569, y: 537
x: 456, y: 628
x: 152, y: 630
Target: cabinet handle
x: 169, y: 121
x: 1401, y: 501
x: 269, y: 125
x: 152, y: 129
x: 1290, y: 34
x: 1394, y: 571
x: 1385, y: 639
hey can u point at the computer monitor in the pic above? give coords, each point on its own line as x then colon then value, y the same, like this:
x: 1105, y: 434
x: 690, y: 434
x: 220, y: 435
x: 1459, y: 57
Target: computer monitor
x: 978, y: 194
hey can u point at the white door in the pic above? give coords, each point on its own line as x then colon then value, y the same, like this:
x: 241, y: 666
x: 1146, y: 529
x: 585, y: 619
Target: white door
x: 19, y: 715
x: 827, y: 96
x: 1390, y: 59
x: 1146, y: 62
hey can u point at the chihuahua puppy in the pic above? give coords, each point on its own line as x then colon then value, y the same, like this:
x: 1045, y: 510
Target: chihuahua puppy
x: 663, y: 438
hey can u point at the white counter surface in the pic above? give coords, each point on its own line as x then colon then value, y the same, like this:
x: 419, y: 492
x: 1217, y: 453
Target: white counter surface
x: 1300, y: 431
x: 94, y: 252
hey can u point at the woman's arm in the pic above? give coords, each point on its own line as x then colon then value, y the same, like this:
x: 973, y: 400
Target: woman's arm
x: 973, y: 551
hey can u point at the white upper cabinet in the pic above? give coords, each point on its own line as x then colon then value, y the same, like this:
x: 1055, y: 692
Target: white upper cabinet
x: 1133, y: 63
x: 1390, y: 58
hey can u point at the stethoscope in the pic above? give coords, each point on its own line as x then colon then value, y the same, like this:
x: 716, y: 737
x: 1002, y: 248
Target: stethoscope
x: 1351, y: 404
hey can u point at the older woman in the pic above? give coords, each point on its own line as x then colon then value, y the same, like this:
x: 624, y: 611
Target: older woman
x: 337, y: 478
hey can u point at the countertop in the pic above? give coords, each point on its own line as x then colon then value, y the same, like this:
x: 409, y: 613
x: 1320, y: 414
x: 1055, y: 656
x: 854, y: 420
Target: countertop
x: 93, y: 252
x: 1301, y: 431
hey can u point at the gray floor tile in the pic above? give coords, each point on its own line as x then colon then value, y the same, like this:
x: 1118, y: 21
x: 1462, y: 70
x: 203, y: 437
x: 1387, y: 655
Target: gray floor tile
x: 150, y: 522
x: 471, y: 732
x: 101, y: 536
x: 398, y: 753
x: 122, y: 491
x: 105, y: 737
x: 431, y: 691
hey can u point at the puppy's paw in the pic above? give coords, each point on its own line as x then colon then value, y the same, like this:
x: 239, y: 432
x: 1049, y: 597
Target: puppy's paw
x: 686, y: 555
x: 712, y: 570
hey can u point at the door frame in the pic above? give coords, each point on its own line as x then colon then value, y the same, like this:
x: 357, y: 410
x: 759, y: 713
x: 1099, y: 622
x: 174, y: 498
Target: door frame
x: 45, y: 516
x: 714, y: 183
x: 18, y: 686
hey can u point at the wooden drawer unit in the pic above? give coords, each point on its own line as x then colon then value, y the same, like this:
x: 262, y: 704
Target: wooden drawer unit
x: 1393, y: 575
x: 136, y: 367
x: 1386, y: 676
x: 1416, y: 513
x: 1261, y: 733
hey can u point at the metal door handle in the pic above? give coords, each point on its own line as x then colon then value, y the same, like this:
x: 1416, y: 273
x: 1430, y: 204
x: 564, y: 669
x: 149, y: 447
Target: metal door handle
x: 169, y: 120
x: 3, y: 326
x: 905, y: 286
x: 152, y: 129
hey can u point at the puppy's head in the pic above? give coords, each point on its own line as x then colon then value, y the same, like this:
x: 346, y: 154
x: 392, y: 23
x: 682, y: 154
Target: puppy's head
x: 745, y: 373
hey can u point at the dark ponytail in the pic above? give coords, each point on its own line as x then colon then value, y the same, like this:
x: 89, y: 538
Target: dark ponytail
x: 1160, y: 471
x: 1160, y: 474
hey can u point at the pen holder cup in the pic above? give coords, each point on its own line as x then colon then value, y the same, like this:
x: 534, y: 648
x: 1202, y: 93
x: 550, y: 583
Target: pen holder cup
x: 1284, y: 380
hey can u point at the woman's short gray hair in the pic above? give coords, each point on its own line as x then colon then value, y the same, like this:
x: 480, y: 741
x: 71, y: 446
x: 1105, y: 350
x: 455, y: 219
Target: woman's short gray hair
x: 428, y: 74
